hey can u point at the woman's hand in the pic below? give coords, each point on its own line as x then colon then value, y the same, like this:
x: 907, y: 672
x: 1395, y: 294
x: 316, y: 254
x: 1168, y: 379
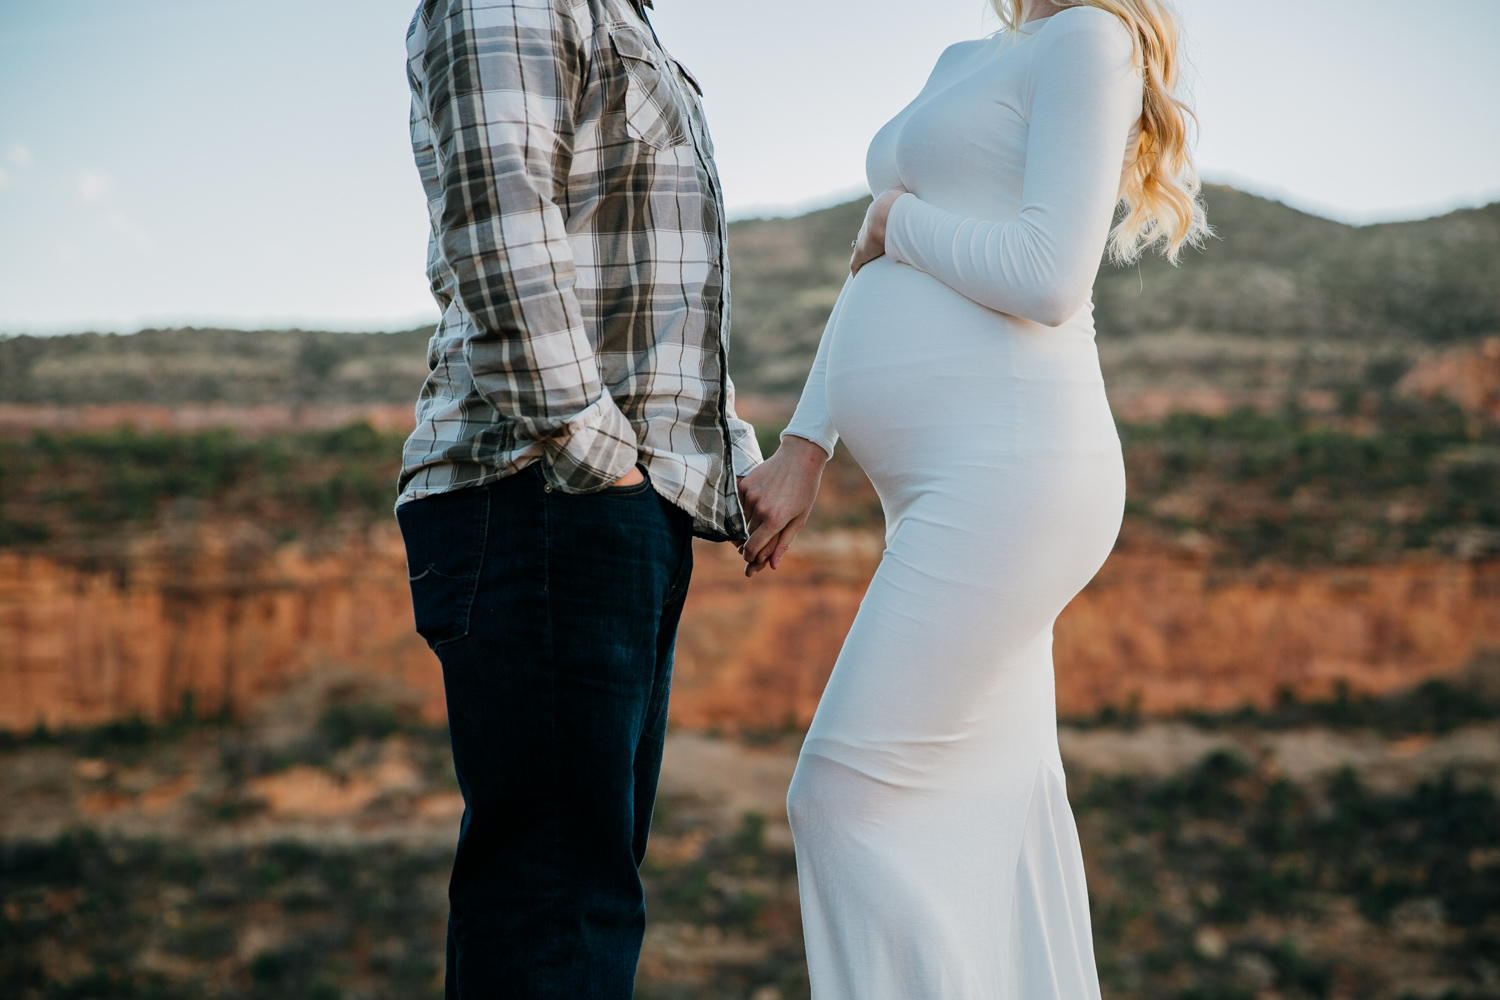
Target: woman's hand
x: 871, y: 240
x: 778, y: 496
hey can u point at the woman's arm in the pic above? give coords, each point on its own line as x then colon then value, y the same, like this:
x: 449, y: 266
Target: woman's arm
x: 778, y: 494
x: 811, y: 420
x: 1084, y: 98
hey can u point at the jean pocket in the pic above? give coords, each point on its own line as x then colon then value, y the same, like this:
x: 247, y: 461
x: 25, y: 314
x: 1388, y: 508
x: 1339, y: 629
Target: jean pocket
x: 639, y: 489
x: 445, y: 539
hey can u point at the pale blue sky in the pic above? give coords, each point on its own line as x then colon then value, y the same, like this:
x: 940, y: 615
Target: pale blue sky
x: 202, y: 161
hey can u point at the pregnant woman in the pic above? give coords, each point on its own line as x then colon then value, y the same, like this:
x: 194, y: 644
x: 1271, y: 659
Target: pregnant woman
x: 936, y: 852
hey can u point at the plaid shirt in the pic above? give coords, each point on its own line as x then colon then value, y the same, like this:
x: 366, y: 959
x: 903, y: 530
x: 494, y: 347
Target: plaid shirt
x: 578, y: 254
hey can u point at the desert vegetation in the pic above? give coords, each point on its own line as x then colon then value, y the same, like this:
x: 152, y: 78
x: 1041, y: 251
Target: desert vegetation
x: 99, y: 487
x: 1388, y: 477
x: 1222, y: 876
x: 1384, y: 477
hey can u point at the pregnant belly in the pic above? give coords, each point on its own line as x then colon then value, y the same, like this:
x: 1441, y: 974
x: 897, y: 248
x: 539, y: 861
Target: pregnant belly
x: 920, y: 378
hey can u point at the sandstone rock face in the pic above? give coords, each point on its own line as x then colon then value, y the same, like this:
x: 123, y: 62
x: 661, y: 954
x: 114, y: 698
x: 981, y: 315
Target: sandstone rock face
x: 232, y: 624
x: 1176, y: 634
x: 756, y: 653
x: 81, y: 645
x: 1154, y: 629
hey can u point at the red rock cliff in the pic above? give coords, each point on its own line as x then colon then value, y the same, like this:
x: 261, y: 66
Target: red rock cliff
x: 82, y: 645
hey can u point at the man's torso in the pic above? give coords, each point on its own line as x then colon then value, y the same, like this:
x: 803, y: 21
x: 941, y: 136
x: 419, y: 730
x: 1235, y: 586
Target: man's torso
x: 644, y: 215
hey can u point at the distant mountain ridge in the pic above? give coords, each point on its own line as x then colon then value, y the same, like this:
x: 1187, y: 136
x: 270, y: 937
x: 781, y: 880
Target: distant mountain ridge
x: 1283, y: 280
x: 1276, y: 272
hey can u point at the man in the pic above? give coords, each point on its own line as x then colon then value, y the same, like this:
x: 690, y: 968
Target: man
x: 576, y: 430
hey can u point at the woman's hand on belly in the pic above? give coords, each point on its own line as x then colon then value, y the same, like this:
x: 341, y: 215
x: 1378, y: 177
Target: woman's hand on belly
x: 778, y: 496
x: 870, y: 243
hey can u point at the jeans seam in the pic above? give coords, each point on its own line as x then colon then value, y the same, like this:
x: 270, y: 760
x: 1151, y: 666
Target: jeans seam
x: 679, y: 586
x: 555, y: 817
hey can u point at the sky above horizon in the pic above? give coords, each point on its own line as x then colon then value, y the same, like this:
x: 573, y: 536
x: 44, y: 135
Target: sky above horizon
x: 201, y: 162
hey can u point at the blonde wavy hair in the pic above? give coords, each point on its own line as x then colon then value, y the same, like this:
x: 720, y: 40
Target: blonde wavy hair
x: 1160, y: 193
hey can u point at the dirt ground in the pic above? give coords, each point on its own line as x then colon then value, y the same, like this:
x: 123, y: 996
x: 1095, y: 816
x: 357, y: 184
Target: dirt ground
x: 360, y: 789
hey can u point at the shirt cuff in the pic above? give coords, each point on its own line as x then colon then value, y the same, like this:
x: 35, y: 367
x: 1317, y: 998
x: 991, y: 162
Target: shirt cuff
x: 898, y: 226
x: 826, y: 440
x: 592, y: 450
x: 744, y: 448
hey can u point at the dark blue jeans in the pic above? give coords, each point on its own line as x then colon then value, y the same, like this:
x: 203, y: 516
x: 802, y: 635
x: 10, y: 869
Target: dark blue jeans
x: 554, y: 616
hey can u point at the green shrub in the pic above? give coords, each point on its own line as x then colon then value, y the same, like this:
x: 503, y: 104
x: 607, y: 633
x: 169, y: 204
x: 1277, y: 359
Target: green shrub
x: 63, y: 486
x: 1300, y: 489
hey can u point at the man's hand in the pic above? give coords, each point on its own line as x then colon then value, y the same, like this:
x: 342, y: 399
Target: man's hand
x: 871, y: 240
x: 778, y: 496
x: 630, y: 478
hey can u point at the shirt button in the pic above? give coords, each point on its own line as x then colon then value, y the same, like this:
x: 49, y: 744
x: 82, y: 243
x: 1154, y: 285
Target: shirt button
x: 546, y: 487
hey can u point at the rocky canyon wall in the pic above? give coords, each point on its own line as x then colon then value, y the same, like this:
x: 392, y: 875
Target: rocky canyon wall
x: 1161, y: 631
x: 82, y: 644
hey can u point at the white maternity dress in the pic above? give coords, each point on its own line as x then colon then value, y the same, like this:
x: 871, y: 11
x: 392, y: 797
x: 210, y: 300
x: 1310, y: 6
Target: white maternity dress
x: 936, y: 851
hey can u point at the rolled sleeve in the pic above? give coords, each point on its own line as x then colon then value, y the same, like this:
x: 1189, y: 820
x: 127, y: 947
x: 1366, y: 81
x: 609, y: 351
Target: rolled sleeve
x: 743, y: 444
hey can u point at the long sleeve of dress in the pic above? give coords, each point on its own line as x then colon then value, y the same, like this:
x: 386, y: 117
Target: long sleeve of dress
x: 1084, y: 98
x: 811, y: 420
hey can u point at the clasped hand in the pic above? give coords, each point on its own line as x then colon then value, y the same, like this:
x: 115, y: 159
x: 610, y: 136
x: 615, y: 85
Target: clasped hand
x: 778, y: 496
x: 870, y: 243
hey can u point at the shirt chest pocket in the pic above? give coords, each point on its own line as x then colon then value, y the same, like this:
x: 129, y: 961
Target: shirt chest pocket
x: 653, y: 113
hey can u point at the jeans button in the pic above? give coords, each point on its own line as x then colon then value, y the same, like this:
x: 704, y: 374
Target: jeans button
x: 546, y: 487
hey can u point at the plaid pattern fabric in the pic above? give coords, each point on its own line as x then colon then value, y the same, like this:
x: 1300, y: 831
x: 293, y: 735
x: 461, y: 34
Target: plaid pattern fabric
x: 578, y: 255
